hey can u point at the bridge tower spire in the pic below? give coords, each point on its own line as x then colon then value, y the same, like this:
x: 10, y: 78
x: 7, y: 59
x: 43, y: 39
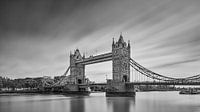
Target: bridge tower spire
x: 120, y: 60
x: 113, y: 42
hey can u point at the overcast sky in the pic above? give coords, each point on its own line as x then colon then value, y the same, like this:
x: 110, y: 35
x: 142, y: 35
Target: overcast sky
x: 37, y: 36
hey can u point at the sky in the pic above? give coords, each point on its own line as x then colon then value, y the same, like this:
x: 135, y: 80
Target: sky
x: 36, y: 36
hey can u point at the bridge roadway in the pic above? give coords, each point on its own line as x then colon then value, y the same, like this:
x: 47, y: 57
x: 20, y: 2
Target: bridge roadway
x: 145, y: 83
x: 96, y: 59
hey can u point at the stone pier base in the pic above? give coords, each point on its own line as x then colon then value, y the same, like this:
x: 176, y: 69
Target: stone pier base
x: 119, y: 89
x: 120, y: 94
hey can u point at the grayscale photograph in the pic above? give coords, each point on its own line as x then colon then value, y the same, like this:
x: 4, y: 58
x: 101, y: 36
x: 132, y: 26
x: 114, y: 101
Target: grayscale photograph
x: 99, y: 55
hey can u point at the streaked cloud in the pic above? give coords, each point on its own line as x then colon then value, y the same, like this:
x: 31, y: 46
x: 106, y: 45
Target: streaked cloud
x: 36, y: 37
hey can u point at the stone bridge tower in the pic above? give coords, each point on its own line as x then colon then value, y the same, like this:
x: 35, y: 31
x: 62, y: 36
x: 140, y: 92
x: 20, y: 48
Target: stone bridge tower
x: 120, y: 60
x: 77, y: 71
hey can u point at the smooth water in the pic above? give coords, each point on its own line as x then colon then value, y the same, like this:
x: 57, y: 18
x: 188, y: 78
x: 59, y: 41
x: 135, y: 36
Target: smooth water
x: 97, y: 102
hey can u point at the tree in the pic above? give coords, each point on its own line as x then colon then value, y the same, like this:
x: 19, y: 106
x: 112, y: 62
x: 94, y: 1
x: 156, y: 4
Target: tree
x: 1, y: 83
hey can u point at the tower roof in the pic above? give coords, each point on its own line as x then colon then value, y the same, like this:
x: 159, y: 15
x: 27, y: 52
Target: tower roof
x: 121, y: 40
x: 77, y: 52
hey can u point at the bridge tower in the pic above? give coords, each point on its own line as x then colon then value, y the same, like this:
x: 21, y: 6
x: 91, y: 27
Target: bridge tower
x: 120, y: 60
x: 77, y: 71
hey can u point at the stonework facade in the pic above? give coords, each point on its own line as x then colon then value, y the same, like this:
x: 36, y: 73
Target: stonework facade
x: 120, y: 60
x: 77, y: 70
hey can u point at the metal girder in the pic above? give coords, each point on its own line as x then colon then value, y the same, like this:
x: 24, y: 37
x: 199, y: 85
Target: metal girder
x: 62, y: 78
x: 66, y: 71
x: 95, y: 59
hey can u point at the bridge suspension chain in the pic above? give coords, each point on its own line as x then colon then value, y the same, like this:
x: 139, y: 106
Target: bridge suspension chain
x: 47, y: 83
x: 66, y: 71
x: 148, y: 73
x: 63, y: 78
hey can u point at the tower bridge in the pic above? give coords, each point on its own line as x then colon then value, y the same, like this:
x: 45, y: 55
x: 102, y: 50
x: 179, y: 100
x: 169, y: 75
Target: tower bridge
x: 122, y: 63
x: 119, y: 56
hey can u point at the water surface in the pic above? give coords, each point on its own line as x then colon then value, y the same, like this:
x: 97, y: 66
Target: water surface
x: 97, y: 102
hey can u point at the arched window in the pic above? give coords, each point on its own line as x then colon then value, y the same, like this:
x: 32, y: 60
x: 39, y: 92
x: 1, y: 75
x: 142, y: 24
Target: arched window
x: 124, y: 78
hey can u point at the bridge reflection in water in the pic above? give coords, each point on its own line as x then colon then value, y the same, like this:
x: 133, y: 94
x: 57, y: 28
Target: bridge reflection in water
x: 97, y: 102
x: 77, y: 104
x: 102, y: 104
x: 120, y: 104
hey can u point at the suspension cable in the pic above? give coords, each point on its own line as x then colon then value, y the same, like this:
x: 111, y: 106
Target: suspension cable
x: 153, y: 75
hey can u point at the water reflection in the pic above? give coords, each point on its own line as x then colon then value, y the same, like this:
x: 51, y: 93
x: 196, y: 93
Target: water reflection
x: 120, y: 104
x: 142, y: 102
x: 77, y: 104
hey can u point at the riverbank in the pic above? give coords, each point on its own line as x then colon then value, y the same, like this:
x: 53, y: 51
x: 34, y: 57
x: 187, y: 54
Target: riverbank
x: 66, y: 93
x: 27, y: 92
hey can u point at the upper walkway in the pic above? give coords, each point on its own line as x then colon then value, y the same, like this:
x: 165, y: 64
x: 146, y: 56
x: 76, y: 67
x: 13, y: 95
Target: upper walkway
x: 95, y: 59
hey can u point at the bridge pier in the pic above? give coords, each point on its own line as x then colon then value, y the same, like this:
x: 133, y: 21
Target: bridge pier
x: 116, y: 88
x: 75, y: 89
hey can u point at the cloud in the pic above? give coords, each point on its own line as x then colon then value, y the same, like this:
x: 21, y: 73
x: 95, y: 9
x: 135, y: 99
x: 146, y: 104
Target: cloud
x: 37, y: 36
x: 176, y: 63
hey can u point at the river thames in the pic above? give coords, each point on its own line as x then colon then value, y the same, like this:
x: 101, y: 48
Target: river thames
x: 97, y: 102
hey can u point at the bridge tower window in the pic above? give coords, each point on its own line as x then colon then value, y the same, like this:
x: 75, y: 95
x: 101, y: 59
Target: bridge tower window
x: 79, y: 81
x: 125, y: 78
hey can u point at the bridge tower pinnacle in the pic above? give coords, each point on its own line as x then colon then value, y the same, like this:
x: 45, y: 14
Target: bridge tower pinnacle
x: 120, y: 60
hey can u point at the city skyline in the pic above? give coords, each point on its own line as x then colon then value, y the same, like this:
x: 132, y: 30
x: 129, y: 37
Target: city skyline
x: 36, y: 37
